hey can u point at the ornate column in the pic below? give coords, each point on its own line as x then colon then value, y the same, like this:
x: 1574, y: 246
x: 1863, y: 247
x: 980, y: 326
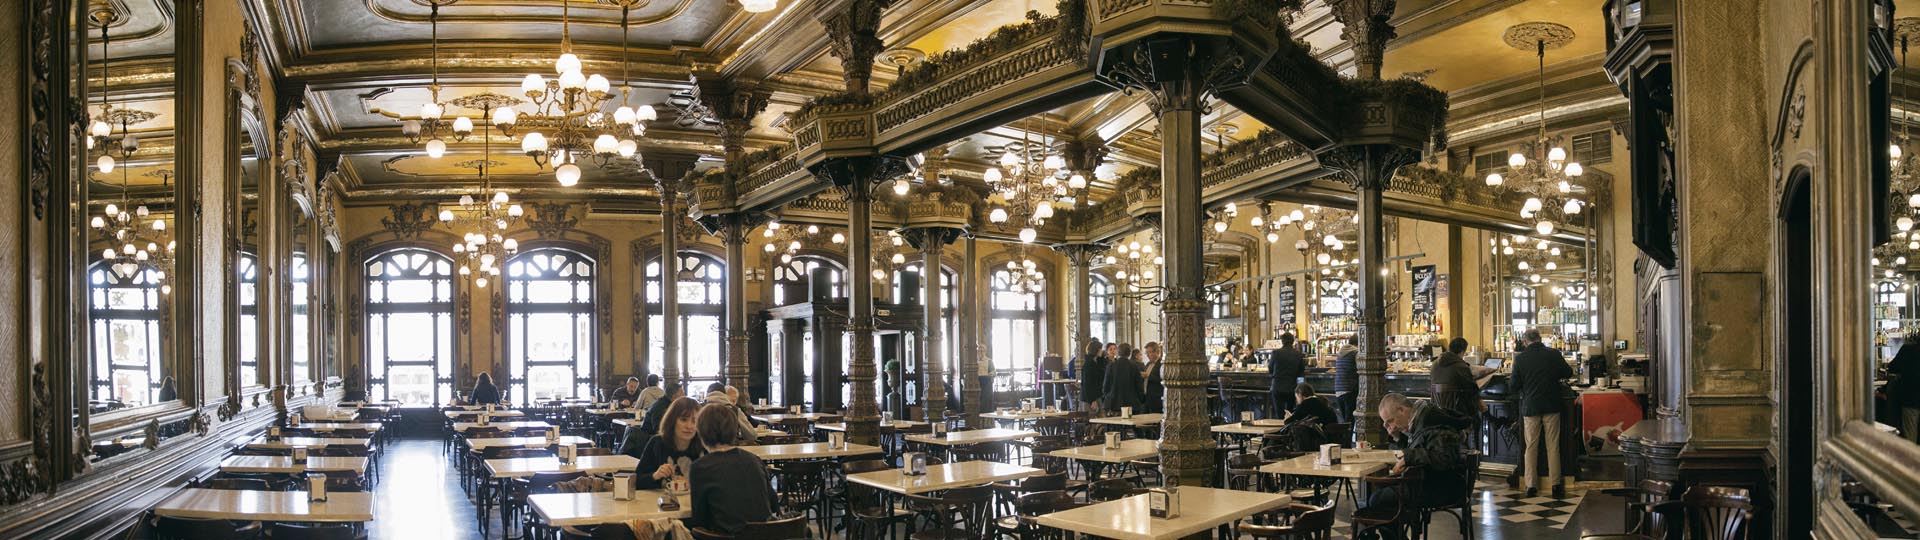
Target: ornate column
x: 734, y: 104
x: 1178, y: 73
x: 669, y: 286
x: 1080, y: 272
x: 855, y: 177
x: 734, y: 228
x: 969, y: 312
x: 853, y: 37
x: 1364, y: 26
x: 1369, y: 169
x: 931, y: 241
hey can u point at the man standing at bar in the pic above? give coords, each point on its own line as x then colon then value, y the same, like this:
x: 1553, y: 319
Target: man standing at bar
x: 1539, y: 378
x: 1283, y: 372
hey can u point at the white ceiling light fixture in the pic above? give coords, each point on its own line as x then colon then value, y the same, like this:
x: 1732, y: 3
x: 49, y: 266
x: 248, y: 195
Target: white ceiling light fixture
x: 1545, y: 173
x: 759, y: 6
x: 569, y: 121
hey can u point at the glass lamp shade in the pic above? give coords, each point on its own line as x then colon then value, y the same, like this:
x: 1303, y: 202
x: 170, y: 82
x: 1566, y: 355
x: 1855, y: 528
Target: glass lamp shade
x: 567, y: 62
x: 505, y: 117
x: 793, y: 246
x: 436, y: 148
x: 446, y: 215
x: 1220, y: 226
x: 628, y: 148
x: 99, y: 128
x: 839, y: 238
x: 1077, y: 182
x: 500, y: 197
x: 1893, y: 151
x: 1256, y: 221
x: 533, y: 142
x: 510, y: 245
x: 993, y: 175
x: 1516, y: 160
x: 1574, y: 169
x: 105, y: 163
x: 598, y: 84
x: 998, y: 215
x: 1524, y: 265
x: 431, y: 110
x: 1297, y: 215
x: 623, y: 115
x: 899, y: 258
x: 1009, y: 159
x: 1552, y: 266
x: 1543, y: 227
x: 645, y: 113
x: 769, y: 248
x: 1323, y: 258
x: 1027, y: 235
x: 1904, y: 223
x: 605, y: 144
x: 1043, y: 211
x: 758, y: 6
x: 534, y: 84
x: 1273, y: 237
x: 98, y: 222
x: 567, y: 174
x: 901, y: 186
x: 480, y: 282
x: 1495, y: 179
x: 460, y: 248
x: 573, y: 80
x: 1572, y: 207
x: 1557, y: 154
x: 462, y: 125
x: 1054, y: 163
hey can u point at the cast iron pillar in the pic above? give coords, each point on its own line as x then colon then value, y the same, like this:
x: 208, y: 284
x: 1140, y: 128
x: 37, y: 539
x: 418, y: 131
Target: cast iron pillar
x: 1369, y: 169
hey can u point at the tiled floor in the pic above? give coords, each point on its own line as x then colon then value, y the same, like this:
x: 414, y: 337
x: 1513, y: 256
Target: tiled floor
x: 419, y: 498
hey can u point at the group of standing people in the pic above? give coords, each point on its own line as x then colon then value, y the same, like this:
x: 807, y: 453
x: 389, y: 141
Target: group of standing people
x: 1116, y: 375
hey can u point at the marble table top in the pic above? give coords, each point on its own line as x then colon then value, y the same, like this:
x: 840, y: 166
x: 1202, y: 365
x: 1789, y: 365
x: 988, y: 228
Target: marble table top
x: 576, y: 509
x: 497, y: 413
x: 1023, y: 415
x: 604, y: 412
x: 896, y: 424
x: 956, y: 438
x: 1355, y: 465
x: 1130, y: 449
x: 1137, y: 420
x: 285, y: 464
x: 341, y: 507
x: 335, y: 426
x: 778, y: 417
x: 814, y: 450
x: 530, y: 442
x: 1237, y: 428
x: 524, y: 467
x: 757, y: 430
x: 516, y: 424
x: 939, y: 477
x: 1201, y: 508
x: 261, y: 443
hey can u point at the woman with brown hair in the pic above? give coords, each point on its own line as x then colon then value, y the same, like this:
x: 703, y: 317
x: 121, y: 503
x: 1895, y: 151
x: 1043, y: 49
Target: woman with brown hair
x: 729, y: 486
x: 673, y: 450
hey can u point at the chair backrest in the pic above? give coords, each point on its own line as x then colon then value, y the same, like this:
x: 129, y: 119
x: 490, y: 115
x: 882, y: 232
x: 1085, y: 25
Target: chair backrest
x: 170, y: 528
x: 1052, y: 426
x: 340, y: 450
x: 592, y: 451
x: 610, y: 531
x: 794, y: 426
x: 1651, y: 493
x: 294, y: 531
x: 864, y: 465
x: 1043, y: 502
x: 1046, y: 482
x: 1110, y: 489
x: 506, y: 452
x: 1317, y: 523
x: 1242, y: 463
x: 228, y: 482
x: 1458, y: 399
x: 790, y: 528
x: 542, y: 482
x: 1717, y: 512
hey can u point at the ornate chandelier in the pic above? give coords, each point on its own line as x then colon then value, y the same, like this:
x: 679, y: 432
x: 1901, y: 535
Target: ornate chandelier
x: 568, y: 120
x: 1136, y: 265
x: 101, y: 131
x: 1023, y: 275
x: 1550, y: 181
x: 1533, y: 256
x: 1320, y: 236
x: 1026, y: 184
x: 482, y: 225
x: 139, y: 234
x: 1905, y: 166
x: 887, y: 254
x: 788, y: 241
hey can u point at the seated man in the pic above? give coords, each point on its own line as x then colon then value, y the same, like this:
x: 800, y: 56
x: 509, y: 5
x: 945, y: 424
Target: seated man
x: 1431, y: 438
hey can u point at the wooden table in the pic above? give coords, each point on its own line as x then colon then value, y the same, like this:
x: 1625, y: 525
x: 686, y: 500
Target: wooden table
x: 1017, y: 415
x: 289, y: 442
x: 1356, y: 465
x: 512, y: 425
x: 767, y: 408
x: 285, y: 464
x: 604, y: 412
x: 1238, y: 428
x: 896, y: 425
x: 1093, y: 458
x: 1201, y: 508
x: 959, y: 438
x: 577, y: 509
x: 939, y: 477
x: 247, y: 505
x: 525, y: 467
x: 499, y: 413
x: 1137, y: 420
x: 529, y: 442
x: 359, y: 426
x: 815, y: 450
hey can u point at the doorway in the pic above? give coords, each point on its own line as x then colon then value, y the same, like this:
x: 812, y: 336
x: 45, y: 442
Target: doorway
x: 1798, y: 329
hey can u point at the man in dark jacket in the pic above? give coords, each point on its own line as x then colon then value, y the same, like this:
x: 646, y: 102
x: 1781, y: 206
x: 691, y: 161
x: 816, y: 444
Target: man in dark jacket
x: 1346, y: 378
x: 1539, y: 379
x: 1283, y: 372
x: 1125, y: 384
x: 1430, y: 438
x: 1903, y: 391
x: 1093, y: 375
x: 1452, y: 372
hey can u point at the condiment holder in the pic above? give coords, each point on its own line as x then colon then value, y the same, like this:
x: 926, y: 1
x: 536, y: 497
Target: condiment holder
x: 316, y: 487
x: 1164, y: 503
x: 1113, y: 440
x: 273, y: 433
x: 565, y: 452
x: 300, y: 455
x: 836, y: 439
x: 916, y: 463
x: 623, y: 486
x: 1126, y: 413
x: 793, y: 410
x: 1329, y: 454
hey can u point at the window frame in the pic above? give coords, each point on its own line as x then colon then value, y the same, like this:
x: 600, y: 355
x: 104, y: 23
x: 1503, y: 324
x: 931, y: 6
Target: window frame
x: 519, y: 366
x: 715, y: 280
x: 436, y: 308
x: 1033, y: 310
x: 102, y: 318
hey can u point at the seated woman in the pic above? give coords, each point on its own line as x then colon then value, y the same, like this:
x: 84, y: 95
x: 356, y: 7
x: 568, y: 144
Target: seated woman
x: 484, y: 392
x: 673, y: 451
x: 730, y: 486
x: 1310, y: 407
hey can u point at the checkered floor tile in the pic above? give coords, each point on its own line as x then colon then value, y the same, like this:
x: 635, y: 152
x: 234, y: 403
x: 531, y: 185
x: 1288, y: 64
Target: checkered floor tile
x: 1498, y: 502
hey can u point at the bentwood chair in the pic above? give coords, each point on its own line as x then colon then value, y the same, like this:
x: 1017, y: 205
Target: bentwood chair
x: 1294, y: 522
x: 175, y: 528
x: 956, y: 514
x: 1717, y: 512
x: 314, y: 531
x: 1643, y: 512
x: 1397, y: 520
x: 1020, y: 524
x: 788, y: 528
x: 1458, y: 504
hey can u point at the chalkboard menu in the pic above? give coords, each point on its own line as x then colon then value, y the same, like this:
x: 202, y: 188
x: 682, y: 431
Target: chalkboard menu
x: 1424, y: 288
x: 1286, y: 304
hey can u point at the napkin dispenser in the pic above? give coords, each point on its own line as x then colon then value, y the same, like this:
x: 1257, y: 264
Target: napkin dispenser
x: 553, y: 435
x: 300, y: 455
x: 1113, y: 440
x: 489, y: 407
x: 1246, y: 417
x: 1163, y: 503
x: 939, y: 428
x: 566, y: 453
x: 1329, y: 454
x: 623, y: 486
x: 273, y: 433
x: 1126, y: 413
x: 483, y: 419
x: 294, y: 420
x: 763, y: 402
x: 316, y: 487
x: 916, y: 464
x: 836, y: 439
x: 886, y: 417
x: 793, y: 410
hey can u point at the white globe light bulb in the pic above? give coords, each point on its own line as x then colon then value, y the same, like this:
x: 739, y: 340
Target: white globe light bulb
x: 1557, y: 154
x: 567, y: 62
x: 645, y: 113
x: 533, y: 142
x: 573, y: 80
x: 998, y: 215
x: 1256, y: 221
x: 1574, y: 169
x: 605, y: 144
x: 1027, y: 235
x: 1495, y: 179
x: 1077, y: 182
x: 1524, y: 265
x: 901, y: 187
x: 568, y: 174
x: 1219, y: 226
x: 992, y: 175
x: 758, y: 6
x: 505, y: 116
x: 436, y: 148
x: 598, y: 84
x: 533, y: 84
x: 105, y: 163
x: 1543, y: 227
x: 431, y: 110
x: 1323, y: 258
x: 839, y: 238
x: 1516, y: 160
x: 462, y: 125
x: 628, y: 148
x: 1904, y: 223
x: 899, y: 258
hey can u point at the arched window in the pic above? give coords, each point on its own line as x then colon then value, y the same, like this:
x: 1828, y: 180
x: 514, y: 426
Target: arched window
x: 1013, y: 330
x: 551, y: 341
x: 125, y: 302
x: 1522, y: 307
x: 792, y: 279
x: 248, y: 269
x: 410, y: 327
x: 792, y: 284
x: 301, y: 277
x: 1101, y: 305
x: 703, y: 306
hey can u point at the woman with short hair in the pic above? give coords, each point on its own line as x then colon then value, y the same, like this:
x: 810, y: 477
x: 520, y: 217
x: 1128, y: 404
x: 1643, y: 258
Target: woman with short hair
x: 730, y: 487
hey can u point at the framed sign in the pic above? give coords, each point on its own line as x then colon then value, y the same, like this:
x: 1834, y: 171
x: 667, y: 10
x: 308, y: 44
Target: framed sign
x: 1285, y: 309
x: 1425, y: 289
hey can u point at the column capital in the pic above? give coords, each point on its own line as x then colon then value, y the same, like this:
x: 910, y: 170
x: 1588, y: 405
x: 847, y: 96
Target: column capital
x: 1084, y: 154
x: 1368, y: 166
x: 1178, y: 72
x: 931, y: 238
x: 859, y: 171
x: 853, y: 37
x: 1081, y: 254
x: 732, y: 227
x: 1365, y: 26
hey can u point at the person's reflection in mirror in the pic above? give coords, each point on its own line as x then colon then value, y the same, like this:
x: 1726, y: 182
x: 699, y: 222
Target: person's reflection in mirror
x: 168, y: 391
x: 1903, y: 388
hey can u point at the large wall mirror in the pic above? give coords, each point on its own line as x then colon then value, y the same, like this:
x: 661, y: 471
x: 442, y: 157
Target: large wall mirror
x: 302, y: 269
x: 247, y: 145
x: 131, y: 221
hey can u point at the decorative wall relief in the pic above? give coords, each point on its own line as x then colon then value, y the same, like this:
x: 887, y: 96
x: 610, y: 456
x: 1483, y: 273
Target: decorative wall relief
x: 408, y: 220
x: 551, y: 220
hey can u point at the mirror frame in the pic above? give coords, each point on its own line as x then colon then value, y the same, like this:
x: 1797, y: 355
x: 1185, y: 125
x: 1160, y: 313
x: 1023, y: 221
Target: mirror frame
x: 242, y: 107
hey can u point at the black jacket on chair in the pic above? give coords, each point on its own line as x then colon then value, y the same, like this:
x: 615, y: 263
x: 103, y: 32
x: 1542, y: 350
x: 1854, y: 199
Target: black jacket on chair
x: 1539, y: 379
